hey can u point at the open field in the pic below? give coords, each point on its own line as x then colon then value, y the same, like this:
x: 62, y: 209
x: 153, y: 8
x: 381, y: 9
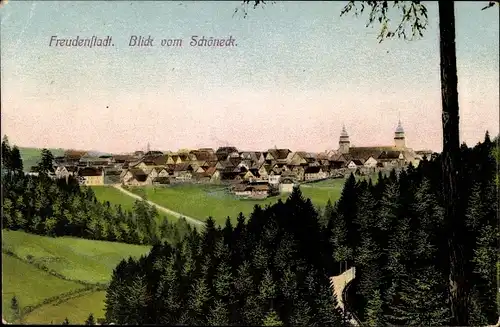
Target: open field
x: 320, y: 195
x: 76, y: 259
x: 76, y: 310
x: 115, y: 197
x: 201, y: 201
x: 29, y: 284
x: 31, y: 156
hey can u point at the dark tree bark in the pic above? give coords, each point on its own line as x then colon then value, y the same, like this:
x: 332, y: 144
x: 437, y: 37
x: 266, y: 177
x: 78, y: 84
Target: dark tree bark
x: 450, y: 162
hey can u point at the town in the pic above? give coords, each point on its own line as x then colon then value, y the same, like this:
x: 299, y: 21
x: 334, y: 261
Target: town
x: 252, y: 174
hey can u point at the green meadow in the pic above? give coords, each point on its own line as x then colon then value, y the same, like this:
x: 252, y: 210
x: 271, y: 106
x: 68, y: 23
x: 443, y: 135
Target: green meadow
x: 200, y: 201
x: 113, y: 196
x: 36, y: 268
x: 76, y: 310
x: 29, y: 284
x: 75, y: 258
x: 31, y: 156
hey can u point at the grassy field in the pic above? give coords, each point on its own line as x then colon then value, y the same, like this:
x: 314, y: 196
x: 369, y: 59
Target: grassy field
x: 201, y: 201
x: 76, y: 310
x: 114, y: 196
x: 31, y: 156
x: 75, y: 259
x: 29, y: 284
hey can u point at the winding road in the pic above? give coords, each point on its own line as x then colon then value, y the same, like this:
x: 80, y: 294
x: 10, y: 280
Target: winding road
x: 191, y: 220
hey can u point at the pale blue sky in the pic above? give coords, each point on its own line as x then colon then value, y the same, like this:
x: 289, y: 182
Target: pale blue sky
x: 299, y: 71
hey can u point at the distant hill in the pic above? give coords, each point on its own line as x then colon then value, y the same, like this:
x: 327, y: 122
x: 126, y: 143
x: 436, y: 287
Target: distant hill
x: 31, y: 156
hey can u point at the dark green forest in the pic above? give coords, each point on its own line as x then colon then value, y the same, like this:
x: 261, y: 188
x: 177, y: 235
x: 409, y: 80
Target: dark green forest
x: 60, y: 207
x: 273, y: 267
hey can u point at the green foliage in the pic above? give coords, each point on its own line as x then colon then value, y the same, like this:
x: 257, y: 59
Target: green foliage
x: 6, y: 154
x: 90, y: 320
x: 41, y: 205
x: 14, y: 306
x: 15, y: 159
x: 46, y: 164
x: 374, y: 310
x: 273, y: 267
x: 233, y: 275
x: 412, y: 23
x: 272, y: 319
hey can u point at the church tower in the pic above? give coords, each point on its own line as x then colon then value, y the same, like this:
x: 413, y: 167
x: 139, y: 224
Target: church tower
x: 344, y: 142
x: 399, y: 137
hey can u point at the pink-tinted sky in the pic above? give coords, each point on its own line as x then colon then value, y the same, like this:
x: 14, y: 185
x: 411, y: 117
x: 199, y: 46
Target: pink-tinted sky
x: 299, y: 71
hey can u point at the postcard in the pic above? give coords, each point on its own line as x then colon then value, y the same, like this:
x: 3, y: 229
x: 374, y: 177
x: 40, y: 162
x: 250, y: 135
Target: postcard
x: 260, y: 163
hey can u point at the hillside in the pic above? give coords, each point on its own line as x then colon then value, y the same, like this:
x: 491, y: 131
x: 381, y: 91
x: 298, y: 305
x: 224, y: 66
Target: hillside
x: 36, y: 268
x: 31, y: 156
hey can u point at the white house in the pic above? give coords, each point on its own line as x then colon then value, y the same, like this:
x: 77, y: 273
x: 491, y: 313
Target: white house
x: 287, y: 185
x: 370, y: 163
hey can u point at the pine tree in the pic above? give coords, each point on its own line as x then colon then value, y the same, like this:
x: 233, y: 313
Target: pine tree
x: 198, y: 302
x: 301, y: 314
x: 46, y: 164
x: 6, y: 154
x: 272, y: 319
x: 14, y: 306
x: 327, y: 213
x: 485, y: 258
x: 167, y: 294
x: 90, y: 320
x: 15, y: 159
x: 326, y: 304
x: 267, y: 288
x: 374, y: 316
x: 219, y: 315
x: 423, y: 300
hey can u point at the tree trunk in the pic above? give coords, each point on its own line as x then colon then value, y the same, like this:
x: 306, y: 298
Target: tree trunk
x: 450, y: 163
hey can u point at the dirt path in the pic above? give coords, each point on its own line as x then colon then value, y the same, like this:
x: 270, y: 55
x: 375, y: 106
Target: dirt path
x: 161, y: 208
x: 338, y: 284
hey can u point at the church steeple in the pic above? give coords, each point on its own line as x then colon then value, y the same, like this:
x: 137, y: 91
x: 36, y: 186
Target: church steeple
x: 399, y: 136
x: 344, y: 142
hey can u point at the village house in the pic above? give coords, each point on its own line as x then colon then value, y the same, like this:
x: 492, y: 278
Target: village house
x: 91, y: 176
x: 282, y: 156
x: 134, y: 177
x: 302, y: 158
x: 163, y: 172
x: 354, y: 164
x: 111, y: 176
x: 274, y: 178
x: 72, y: 157
x: 225, y: 152
x: 255, y: 191
x: 299, y: 171
x: 119, y: 160
x: 160, y: 180
x: 213, y: 174
x: 65, y: 171
x: 314, y: 173
x: 287, y: 184
x: 183, y: 172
